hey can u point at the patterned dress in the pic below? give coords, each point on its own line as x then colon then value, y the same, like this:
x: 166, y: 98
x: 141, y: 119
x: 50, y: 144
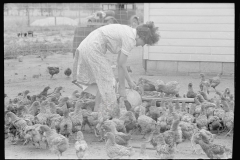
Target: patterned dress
x: 91, y: 66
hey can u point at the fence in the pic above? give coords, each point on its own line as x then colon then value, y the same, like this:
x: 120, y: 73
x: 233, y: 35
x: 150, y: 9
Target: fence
x: 54, y: 25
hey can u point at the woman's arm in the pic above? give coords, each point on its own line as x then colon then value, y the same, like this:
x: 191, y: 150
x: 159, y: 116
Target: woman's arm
x: 123, y: 73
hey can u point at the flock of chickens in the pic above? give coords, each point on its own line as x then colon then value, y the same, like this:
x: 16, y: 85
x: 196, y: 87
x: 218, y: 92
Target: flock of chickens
x: 52, y: 119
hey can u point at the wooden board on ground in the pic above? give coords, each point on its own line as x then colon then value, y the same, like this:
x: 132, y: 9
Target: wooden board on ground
x: 186, y: 100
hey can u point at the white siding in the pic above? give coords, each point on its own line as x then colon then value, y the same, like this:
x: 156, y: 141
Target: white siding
x: 192, y: 31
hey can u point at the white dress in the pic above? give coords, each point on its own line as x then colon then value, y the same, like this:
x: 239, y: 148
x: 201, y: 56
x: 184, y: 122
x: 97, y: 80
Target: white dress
x: 91, y: 66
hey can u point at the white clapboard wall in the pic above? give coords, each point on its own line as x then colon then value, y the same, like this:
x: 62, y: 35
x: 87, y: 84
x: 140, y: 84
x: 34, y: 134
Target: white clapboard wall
x: 192, y: 31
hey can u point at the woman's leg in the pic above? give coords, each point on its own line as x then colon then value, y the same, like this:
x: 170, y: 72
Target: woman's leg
x: 97, y: 101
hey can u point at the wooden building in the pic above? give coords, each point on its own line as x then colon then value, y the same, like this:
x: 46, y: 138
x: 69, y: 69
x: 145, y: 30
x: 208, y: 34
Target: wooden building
x: 195, y: 37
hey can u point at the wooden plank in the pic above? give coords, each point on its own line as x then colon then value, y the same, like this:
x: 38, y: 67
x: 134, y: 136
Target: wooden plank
x: 187, y: 100
x: 192, y: 50
x: 196, y: 35
x: 145, y: 52
x: 192, y: 19
x: 196, y: 27
x: 191, y: 57
x: 192, y: 12
x: 196, y: 42
x: 146, y: 12
x: 191, y: 5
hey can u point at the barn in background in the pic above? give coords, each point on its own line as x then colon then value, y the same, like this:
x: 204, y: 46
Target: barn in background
x: 195, y: 37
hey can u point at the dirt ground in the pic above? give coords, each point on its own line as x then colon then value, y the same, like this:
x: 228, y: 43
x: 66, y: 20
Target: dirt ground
x: 14, y: 82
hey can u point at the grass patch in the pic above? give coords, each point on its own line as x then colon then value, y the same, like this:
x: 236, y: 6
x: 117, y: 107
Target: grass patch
x: 15, y: 50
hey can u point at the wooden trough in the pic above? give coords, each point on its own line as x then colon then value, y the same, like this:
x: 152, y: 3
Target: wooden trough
x: 186, y: 100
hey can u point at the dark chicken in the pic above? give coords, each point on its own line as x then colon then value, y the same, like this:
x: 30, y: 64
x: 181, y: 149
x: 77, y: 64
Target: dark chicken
x: 53, y: 70
x: 68, y: 72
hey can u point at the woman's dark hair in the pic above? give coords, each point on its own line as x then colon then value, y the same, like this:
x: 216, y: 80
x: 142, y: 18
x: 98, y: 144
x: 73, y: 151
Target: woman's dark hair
x: 148, y: 33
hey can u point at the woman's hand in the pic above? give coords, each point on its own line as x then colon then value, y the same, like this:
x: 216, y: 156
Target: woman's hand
x: 132, y: 85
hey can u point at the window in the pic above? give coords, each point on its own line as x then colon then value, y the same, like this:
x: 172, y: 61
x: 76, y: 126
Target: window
x: 129, y: 6
x: 105, y: 7
x: 112, y: 6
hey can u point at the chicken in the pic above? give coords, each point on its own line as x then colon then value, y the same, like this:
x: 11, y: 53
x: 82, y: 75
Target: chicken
x: 219, y: 111
x: 201, y: 120
x: 215, y: 81
x: 204, y: 84
x: 24, y: 113
x: 231, y: 103
x: 25, y: 100
x: 142, y: 154
x: 129, y: 69
x: 215, y: 124
x: 53, y: 70
x: 154, y: 111
x: 187, y: 129
x: 56, y: 93
x: 53, y: 108
x: 66, y: 124
x: 54, y: 123
x: 205, y: 103
x: 74, y: 96
x: 12, y: 107
x: 162, y: 123
x: 42, y: 116
x: 92, y: 120
x: 175, y: 132
x: 213, y: 151
x: 44, y: 92
x: 190, y: 92
x: 122, y: 106
x: 81, y: 145
x: 129, y: 120
x: 88, y: 104
x: 172, y: 137
x: 12, y: 132
x: 116, y: 151
x: 145, y: 105
x: 170, y: 88
x: 164, y: 150
x: 208, y: 138
x: 121, y: 138
x: 56, y: 142
x: 170, y: 115
x: 228, y: 121
x: 225, y: 104
x: 146, y: 123
x: 35, y: 134
x: 19, y: 123
x: 77, y: 117
x: 68, y: 72
x: 119, y: 124
x: 204, y: 95
x: 146, y: 85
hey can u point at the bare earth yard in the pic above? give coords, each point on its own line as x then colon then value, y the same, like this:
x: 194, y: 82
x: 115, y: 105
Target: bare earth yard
x: 14, y: 83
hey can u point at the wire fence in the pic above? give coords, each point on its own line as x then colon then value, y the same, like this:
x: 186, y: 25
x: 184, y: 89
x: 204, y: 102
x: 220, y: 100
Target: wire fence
x: 43, y: 28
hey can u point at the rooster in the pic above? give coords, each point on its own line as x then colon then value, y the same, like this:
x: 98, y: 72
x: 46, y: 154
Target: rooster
x: 68, y: 72
x: 53, y: 70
